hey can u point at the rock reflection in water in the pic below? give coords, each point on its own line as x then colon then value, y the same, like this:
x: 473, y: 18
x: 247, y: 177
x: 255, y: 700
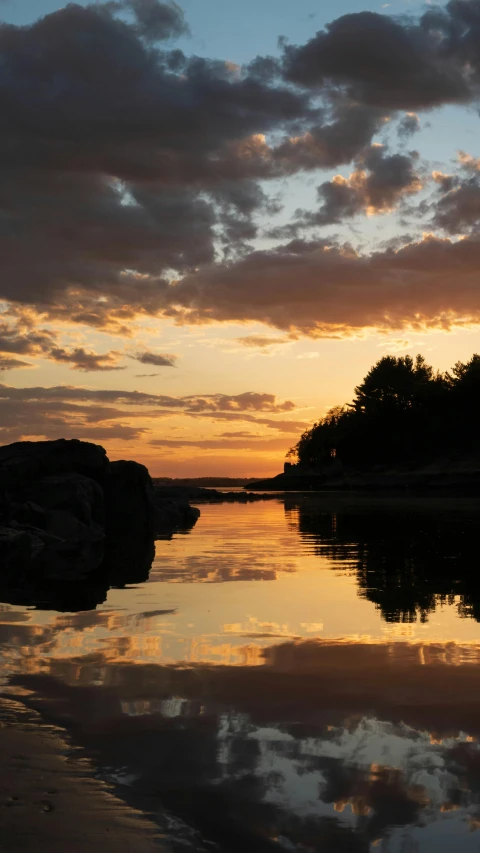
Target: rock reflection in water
x: 126, y: 562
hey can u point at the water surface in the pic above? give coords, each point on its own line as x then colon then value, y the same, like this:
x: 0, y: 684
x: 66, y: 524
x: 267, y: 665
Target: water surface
x: 299, y: 674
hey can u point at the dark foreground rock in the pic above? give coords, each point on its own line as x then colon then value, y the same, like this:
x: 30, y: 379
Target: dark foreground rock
x: 72, y: 523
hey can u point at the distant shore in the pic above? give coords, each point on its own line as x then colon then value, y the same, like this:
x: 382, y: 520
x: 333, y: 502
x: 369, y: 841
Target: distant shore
x: 461, y: 478
x: 205, y: 482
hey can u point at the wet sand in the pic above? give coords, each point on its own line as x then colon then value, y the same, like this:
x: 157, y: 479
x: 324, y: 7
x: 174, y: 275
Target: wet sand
x: 50, y: 800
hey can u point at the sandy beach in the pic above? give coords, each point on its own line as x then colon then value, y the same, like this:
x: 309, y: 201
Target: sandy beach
x: 50, y: 800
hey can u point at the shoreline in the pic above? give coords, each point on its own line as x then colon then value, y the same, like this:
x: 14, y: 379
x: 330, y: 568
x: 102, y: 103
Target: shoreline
x: 50, y: 800
x: 432, y: 481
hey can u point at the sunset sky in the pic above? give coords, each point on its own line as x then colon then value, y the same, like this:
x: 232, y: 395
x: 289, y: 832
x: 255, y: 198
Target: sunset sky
x: 214, y: 217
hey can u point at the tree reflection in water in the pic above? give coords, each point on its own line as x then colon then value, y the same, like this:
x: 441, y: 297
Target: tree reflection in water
x: 407, y: 562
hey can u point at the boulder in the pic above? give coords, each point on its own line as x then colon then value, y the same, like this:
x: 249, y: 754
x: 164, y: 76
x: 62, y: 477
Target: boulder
x: 29, y: 513
x: 129, y: 523
x: 73, y: 493
x: 18, y: 547
x: 66, y: 513
x: 172, y: 514
x: 130, y: 500
x: 27, y: 461
x: 69, y: 516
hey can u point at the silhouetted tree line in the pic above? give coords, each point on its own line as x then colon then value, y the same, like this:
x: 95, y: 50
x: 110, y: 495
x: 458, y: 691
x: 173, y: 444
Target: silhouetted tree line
x: 403, y: 413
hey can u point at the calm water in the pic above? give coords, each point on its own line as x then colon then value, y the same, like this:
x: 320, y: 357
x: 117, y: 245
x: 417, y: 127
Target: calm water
x: 295, y: 675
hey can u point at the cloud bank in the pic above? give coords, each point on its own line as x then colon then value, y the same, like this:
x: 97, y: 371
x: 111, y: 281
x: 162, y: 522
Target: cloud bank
x: 110, y: 414
x: 135, y: 178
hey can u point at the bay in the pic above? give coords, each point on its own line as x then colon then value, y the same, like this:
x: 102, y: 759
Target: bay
x: 299, y: 674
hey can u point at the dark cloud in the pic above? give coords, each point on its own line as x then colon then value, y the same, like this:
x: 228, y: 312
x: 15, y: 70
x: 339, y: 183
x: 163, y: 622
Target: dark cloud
x: 250, y: 401
x: 457, y: 209
x: 291, y: 427
x: 265, y: 68
x: 12, y: 363
x: 12, y: 399
x: 377, y: 185
x: 73, y: 412
x: 394, y: 63
x: 261, y: 341
x: 25, y: 409
x: 245, y: 443
x: 80, y: 233
x: 120, y: 161
x: 238, y: 434
x: 157, y: 359
x: 15, y: 338
x: 145, y: 375
x: 20, y: 418
x: 336, y: 291
x: 348, y: 127
x: 408, y: 125
x: 130, y: 172
x: 156, y: 21
x: 45, y: 429
x: 445, y: 182
x: 80, y: 359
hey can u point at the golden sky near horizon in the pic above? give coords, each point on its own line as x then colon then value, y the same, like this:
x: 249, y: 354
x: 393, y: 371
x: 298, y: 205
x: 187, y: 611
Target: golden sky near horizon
x: 208, y: 236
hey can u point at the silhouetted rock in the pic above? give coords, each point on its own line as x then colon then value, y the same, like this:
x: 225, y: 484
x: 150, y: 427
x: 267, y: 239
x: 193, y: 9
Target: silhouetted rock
x: 130, y: 504
x: 71, y: 493
x: 68, y: 515
x: 64, y: 512
x: 173, y: 510
x: 26, y: 461
x: 17, y: 547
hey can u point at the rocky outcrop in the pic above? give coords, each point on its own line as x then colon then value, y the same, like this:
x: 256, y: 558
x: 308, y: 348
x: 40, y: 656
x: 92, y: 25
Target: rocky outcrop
x: 172, y: 512
x: 31, y: 460
x: 68, y: 516
x: 130, y: 499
